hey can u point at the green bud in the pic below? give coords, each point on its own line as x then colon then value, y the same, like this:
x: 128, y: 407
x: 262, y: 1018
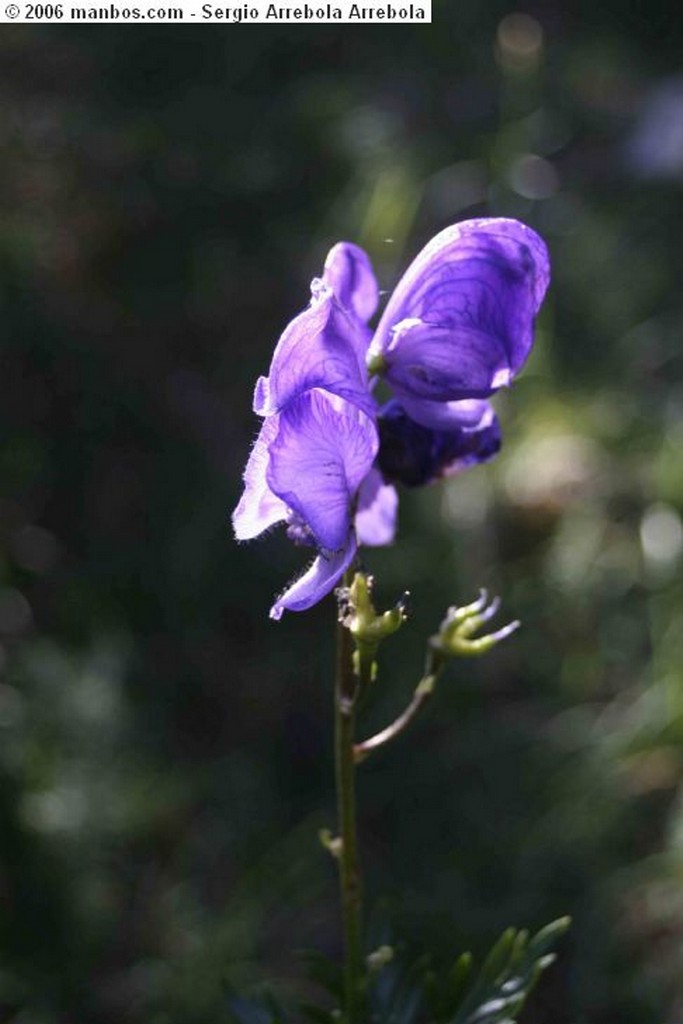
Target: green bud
x: 368, y: 628
x: 358, y: 613
x: 332, y: 843
x: 379, y: 958
x: 456, y: 636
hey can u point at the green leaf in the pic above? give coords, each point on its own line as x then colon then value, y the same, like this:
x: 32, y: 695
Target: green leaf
x: 458, y: 976
x: 548, y: 936
x: 446, y: 998
x: 506, y: 978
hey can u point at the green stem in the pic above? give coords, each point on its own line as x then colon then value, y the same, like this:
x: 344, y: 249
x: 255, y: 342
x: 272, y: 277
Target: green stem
x: 423, y: 692
x: 349, y: 871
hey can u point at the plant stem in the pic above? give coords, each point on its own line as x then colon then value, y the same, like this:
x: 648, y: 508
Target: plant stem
x: 423, y: 692
x: 349, y: 872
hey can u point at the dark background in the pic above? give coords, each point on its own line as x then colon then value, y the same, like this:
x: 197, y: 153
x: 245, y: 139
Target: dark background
x: 165, y: 751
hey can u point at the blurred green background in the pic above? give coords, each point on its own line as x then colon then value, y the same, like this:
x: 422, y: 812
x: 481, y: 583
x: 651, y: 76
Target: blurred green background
x: 165, y: 750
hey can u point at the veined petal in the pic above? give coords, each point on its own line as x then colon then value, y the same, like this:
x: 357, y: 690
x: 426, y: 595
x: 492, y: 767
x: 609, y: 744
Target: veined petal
x: 317, y: 581
x: 258, y: 508
x: 377, y: 508
x: 443, y: 364
x: 349, y: 274
x: 460, y: 322
x: 414, y: 455
x: 323, y: 347
x: 323, y: 449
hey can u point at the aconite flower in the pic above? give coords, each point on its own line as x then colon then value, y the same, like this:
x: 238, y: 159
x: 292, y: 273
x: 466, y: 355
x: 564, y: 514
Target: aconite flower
x: 458, y: 326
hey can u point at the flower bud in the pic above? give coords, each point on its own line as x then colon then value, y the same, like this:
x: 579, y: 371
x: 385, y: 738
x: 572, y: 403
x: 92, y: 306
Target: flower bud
x: 358, y: 613
x: 333, y: 844
x: 379, y: 958
x: 456, y: 633
x: 367, y: 627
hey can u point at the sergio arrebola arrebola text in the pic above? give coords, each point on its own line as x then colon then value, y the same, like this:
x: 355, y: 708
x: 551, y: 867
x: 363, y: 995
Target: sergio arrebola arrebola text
x: 343, y: 12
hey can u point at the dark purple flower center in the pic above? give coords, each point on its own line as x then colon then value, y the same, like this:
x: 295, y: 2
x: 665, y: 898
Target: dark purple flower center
x: 415, y: 455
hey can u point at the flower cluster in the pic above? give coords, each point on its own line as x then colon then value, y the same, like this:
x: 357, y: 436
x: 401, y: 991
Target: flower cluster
x: 458, y: 326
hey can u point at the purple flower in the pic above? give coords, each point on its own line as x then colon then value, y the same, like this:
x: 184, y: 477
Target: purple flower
x: 311, y: 467
x: 459, y: 324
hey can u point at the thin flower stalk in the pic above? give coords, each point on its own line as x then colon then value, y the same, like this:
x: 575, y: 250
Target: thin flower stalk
x: 349, y: 869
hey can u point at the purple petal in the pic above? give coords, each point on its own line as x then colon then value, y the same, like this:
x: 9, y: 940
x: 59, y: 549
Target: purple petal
x: 323, y: 347
x: 258, y: 508
x: 471, y: 448
x: 438, y: 364
x: 460, y: 322
x: 377, y: 507
x: 414, y: 455
x: 469, y: 414
x: 316, y: 582
x: 323, y: 450
x: 349, y: 274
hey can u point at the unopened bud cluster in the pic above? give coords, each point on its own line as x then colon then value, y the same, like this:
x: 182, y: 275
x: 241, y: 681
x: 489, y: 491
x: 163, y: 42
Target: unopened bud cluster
x: 457, y: 633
